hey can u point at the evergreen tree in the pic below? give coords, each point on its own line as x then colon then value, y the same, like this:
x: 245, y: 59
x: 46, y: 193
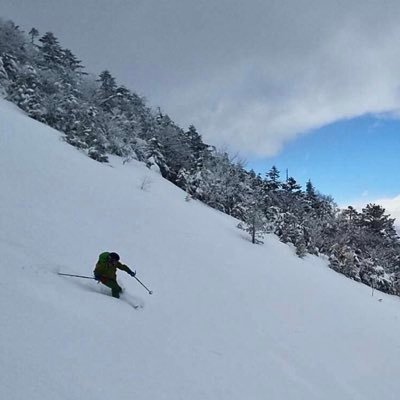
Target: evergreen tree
x: 52, y: 51
x: 374, y: 218
x: 291, y: 186
x: 272, y: 179
x: 176, y: 148
x: 155, y: 156
x: 107, y: 91
x: 71, y: 62
x: 13, y: 45
x: 196, y: 144
x: 33, y: 33
x: 26, y: 93
x: 254, y: 221
x: 311, y: 194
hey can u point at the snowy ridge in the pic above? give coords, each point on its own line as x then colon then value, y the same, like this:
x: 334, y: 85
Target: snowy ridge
x: 228, y: 320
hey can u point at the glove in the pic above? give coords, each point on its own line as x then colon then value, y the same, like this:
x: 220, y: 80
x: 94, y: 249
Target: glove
x: 132, y: 273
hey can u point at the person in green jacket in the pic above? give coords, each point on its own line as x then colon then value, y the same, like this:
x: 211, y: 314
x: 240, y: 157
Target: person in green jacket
x: 106, y: 271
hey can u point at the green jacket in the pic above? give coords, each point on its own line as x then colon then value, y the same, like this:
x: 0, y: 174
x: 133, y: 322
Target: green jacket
x: 107, y: 269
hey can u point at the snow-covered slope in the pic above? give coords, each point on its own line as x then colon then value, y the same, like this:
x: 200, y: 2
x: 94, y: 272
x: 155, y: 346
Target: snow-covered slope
x: 228, y: 320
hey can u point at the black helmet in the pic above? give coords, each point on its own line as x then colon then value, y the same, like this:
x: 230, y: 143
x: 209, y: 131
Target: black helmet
x: 114, y: 256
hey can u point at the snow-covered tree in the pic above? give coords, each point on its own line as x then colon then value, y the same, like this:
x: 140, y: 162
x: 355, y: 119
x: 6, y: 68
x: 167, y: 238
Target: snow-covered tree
x: 254, y: 222
x: 33, y: 33
x: 52, y: 51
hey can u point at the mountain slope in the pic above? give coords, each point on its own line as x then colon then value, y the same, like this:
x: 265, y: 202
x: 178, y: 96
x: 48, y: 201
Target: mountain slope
x: 228, y: 320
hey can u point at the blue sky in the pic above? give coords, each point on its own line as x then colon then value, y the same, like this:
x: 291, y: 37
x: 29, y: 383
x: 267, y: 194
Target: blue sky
x: 354, y: 160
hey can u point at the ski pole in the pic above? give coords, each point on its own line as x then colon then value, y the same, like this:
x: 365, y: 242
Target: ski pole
x: 150, y: 291
x: 77, y: 276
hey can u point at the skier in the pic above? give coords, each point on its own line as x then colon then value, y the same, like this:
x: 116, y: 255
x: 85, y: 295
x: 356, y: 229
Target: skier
x: 106, y: 271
